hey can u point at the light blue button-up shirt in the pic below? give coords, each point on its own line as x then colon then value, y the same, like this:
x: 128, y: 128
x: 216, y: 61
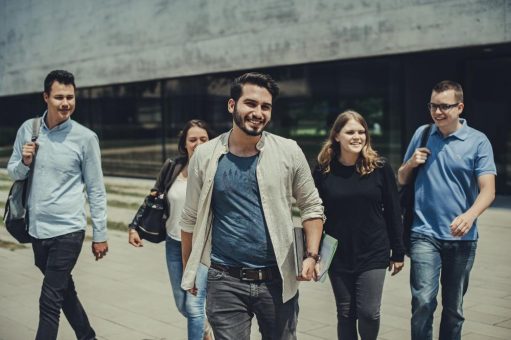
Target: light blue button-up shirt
x: 67, y: 164
x: 446, y: 185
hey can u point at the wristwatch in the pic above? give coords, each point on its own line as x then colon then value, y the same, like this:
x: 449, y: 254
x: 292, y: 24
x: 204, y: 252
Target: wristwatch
x: 316, y: 257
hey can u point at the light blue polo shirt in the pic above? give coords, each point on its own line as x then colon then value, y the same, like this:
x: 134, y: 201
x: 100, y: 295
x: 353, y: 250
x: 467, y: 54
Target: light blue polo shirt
x: 446, y: 185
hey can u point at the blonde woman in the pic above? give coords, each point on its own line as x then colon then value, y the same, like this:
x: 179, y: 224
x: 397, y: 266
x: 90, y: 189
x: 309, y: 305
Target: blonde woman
x: 359, y: 192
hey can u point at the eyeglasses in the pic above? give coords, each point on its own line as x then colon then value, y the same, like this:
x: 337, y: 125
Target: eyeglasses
x: 443, y: 107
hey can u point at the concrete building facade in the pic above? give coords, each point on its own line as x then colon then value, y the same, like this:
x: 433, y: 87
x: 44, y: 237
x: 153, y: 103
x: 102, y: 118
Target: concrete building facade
x: 145, y: 67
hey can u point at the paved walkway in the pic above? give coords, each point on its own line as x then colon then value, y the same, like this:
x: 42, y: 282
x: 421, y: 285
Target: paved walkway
x: 127, y: 295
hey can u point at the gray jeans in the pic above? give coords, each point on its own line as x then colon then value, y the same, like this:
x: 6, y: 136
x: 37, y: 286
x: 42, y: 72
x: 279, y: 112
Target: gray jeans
x: 231, y: 304
x: 358, y: 298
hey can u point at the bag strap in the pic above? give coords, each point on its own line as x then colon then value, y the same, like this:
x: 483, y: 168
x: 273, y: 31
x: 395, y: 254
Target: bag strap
x: 170, y: 173
x: 424, y: 141
x: 36, y: 126
x: 425, y: 136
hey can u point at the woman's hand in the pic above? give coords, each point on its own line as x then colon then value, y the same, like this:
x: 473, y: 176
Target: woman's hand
x: 396, y: 267
x: 134, y: 238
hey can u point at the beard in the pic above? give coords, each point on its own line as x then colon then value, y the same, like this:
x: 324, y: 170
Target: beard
x: 240, y: 122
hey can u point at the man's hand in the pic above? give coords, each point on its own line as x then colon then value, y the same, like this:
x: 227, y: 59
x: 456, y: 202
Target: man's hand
x: 395, y: 267
x: 461, y: 225
x: 134, y: 238
x: 28, y: 153
x: 419, y: 157
x: 99, y: 249
x: 309, y: 270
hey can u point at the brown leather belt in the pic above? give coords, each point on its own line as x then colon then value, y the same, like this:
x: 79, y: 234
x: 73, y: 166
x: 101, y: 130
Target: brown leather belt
x: 249, y: 274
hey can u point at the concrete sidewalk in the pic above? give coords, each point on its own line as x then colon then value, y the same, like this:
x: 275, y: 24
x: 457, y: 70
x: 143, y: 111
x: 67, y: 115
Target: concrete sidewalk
x: 127, y: 294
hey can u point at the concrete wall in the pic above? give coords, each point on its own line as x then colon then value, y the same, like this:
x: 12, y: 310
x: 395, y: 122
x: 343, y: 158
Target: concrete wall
x: 116, y: 41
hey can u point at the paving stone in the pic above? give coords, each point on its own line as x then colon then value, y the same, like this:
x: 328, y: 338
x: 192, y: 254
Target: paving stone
x: 127, y: 294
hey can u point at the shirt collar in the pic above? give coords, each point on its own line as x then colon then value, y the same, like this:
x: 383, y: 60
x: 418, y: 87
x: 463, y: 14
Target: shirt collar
x: 461, y: 133
x: 60, y: 126
x: 259, y: 145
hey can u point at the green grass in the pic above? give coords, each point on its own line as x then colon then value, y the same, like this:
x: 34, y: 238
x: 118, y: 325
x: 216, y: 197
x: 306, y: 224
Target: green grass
x: 125, y: 191
x: 111, y: 225
x: 5, y: 187
x: 4, y: 177
x: 126, y: 205
x: 12, y: 246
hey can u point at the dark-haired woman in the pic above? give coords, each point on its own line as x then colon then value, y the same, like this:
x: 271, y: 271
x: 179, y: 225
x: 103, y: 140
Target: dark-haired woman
x: 173, y: 175
x: 359, y: 192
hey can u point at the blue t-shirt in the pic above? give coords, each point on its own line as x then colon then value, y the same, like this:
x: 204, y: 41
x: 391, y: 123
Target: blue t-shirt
x: 446, y: 185
x: 240, y: 235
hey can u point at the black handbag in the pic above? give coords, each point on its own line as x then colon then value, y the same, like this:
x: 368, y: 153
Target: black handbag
x: 151, y: 217
x: 15, y: 212
x: 407, y: 197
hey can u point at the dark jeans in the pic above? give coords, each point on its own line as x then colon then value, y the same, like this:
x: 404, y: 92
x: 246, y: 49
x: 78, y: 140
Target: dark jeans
x: 434, y: 260
x: 358, y: 297
x: 56, y: 258
x: 232, y: 303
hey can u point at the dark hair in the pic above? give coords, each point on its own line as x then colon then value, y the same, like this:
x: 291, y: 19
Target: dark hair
x: 181, y: 145
x: 259, y: 79
x: 60, y: 76
x: 446, y: 85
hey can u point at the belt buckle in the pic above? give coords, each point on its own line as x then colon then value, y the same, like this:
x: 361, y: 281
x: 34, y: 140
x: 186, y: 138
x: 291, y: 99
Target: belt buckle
x: 243, y: 274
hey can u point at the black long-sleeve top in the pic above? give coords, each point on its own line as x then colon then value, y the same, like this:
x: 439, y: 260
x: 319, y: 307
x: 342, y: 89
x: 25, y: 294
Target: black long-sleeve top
x: 363, y: 214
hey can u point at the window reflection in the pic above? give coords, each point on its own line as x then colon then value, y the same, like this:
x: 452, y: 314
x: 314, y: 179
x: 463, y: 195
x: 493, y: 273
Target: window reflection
x: 138, y: 124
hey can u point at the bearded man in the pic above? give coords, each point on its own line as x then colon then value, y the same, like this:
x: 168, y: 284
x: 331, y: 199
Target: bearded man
x: 238, y: 214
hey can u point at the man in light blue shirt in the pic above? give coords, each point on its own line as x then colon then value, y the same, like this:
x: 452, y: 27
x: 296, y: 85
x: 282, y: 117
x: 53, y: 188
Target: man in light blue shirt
x: 454, y: 185
x: 65, y: 161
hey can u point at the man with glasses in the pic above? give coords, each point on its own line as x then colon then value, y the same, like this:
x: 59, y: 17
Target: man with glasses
x: 455, y: 184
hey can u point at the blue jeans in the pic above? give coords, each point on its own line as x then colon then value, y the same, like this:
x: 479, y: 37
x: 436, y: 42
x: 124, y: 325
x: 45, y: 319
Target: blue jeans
x: 191, y: 307
x: 56, y: 258
x: 232, y: 303
x: 434, y: 261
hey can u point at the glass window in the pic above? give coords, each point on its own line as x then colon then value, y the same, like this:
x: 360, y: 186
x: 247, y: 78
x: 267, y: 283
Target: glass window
x: 128, y: 121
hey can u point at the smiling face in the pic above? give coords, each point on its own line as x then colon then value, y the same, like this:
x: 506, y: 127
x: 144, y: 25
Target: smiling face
x: 447, y: 120
x: 195, y: 137
x: 352, y: 138
x: 61, y: 103
x: 252, y: 112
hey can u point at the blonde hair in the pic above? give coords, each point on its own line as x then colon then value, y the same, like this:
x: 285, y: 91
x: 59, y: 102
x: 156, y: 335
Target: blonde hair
x: 368, y: 159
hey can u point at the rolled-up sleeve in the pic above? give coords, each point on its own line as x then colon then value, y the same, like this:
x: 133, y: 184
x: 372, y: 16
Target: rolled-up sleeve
x: 93, y: 179
x: 304, y: 189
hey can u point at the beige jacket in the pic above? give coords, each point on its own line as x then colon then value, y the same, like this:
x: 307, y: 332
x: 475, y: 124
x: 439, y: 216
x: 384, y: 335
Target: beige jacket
x: 282, y: 174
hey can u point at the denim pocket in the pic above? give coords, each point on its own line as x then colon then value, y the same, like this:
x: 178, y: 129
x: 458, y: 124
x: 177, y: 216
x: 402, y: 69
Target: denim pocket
x: 416, y: 237
x: 215, y: 274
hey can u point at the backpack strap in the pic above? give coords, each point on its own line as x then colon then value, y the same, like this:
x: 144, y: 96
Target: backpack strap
x: 425, y: 136
x: 424, y: 141
x: 36, y: 126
